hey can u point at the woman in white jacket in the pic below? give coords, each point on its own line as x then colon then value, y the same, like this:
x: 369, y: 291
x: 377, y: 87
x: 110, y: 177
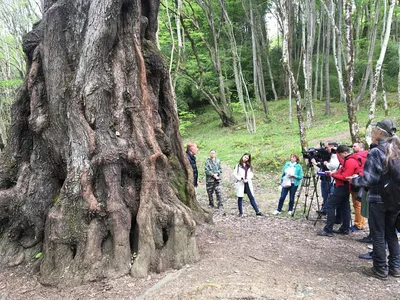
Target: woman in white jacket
x: 243, y: 174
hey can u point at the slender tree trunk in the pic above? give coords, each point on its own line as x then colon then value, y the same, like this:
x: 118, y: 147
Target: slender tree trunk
x: 95, y: 172
x: 290, y: 102
x: 327, y: 61
x: 258, y: 72
x: 237, y: 71
x: 357, y: 33
x: 294, y: 85
x: 222, y: 106
x: 398, y: 75
x: 324, y: 38
x: 265, y: 45
x: 371, y: 48
x: 385, y: 106
x: 339, y: 43
x: 336, y: 37
x: 317, y: 59
x: 384, y: 97
x: 378, y: 68
x: 351, y: 110
x: 309, y: 24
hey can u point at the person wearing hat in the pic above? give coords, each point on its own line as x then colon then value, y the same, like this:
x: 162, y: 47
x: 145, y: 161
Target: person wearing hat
x: 381, y: 219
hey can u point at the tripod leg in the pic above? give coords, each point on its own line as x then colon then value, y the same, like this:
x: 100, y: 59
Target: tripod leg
x: 298, y: 197
x: 303, y: 187
x: 314, y: 193
x: 306, y: 194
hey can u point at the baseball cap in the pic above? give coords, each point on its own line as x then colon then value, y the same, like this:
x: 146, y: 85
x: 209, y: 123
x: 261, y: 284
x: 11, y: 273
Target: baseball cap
x: 386, y: 125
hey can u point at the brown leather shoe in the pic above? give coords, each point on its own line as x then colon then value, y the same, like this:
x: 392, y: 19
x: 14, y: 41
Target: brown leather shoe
x: 394, y: 272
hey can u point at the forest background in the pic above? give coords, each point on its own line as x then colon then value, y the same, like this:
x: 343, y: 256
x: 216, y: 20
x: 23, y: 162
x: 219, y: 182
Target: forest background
x: 246, y: 58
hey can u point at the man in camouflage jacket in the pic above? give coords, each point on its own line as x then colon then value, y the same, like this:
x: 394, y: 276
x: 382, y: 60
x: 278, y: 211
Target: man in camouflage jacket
x: 212, y: 169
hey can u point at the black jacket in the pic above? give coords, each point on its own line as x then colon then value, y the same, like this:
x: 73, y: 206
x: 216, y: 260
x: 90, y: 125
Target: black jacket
x: 192, y: 161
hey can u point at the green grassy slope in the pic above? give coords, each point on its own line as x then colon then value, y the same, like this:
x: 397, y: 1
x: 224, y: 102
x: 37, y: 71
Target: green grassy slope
x: 274, y: 141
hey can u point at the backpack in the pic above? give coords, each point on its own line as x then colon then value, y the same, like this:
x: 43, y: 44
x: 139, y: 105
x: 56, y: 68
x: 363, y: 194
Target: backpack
x: 360, y: 157
x: 390, y: 189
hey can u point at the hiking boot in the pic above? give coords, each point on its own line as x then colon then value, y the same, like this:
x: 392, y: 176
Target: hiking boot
x: 395, y: 272
x: 366, y: 239
x: 325, y: 233
x: 366, y: 255
x: 373, y: 272
x: 341, y: 231
x: 260, y: 214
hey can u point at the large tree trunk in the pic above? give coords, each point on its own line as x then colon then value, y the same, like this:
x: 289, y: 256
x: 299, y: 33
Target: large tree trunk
x: 95, y: 172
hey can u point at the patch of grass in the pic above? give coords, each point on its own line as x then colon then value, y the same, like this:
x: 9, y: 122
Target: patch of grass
x: 276, y: 139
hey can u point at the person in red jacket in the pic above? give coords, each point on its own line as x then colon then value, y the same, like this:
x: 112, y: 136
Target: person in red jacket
x: 340, y: 196
x: 360, y: 155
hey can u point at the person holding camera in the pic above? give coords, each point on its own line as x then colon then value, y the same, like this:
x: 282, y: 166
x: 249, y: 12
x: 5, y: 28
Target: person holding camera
x: 213, y: 170
x: 326, y: 181
x: 292, y: 174
x: 243, y: 175
x: 340, y: 196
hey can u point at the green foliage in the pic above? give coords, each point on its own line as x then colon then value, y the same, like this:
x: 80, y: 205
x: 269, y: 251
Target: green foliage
x: 38, y: 255
x: 185, y: 120
x: 187, y: 93
x: 14, y: 83
x: 273, y: 142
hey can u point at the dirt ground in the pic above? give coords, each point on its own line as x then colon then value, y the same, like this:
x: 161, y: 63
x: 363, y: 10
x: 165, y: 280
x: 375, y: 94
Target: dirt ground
x: 241, y: 258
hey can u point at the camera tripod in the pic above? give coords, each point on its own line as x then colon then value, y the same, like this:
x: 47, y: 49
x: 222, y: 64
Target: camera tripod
x: 309, y: 186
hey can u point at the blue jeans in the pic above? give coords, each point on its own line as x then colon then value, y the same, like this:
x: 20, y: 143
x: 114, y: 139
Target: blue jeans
x: 251, y: 198
x: 382, y: 226
x: 326, y: 191
x: 339, y: 198
x: 292, y: 189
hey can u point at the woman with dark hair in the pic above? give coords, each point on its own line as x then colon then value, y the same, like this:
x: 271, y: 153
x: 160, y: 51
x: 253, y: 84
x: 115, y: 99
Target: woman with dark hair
x: 292, y: 173
x: 243, y: 174
x: 382, y: 219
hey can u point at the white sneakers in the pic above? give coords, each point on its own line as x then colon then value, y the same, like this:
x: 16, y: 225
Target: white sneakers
x: 277, y: 212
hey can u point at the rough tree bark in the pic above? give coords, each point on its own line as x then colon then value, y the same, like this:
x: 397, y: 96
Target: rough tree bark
x: 95, y: 174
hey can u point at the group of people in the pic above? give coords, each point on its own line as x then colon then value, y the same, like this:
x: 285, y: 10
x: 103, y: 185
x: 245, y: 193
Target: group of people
x: 346, y: 172
x: 243, y: 174
x: 373, y: 177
